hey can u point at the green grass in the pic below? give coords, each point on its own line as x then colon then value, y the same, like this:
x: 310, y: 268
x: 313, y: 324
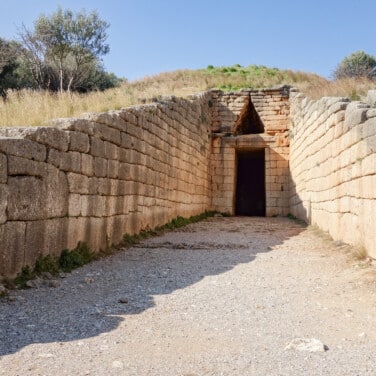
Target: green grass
x: 67, y: 261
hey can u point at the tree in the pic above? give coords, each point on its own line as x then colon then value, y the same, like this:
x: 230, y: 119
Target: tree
x: 12, y: 68
x: 356, y: 65
x: 64, y: 47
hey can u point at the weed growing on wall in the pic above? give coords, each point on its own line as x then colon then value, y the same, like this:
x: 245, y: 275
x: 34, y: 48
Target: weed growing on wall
x: 75, y: 258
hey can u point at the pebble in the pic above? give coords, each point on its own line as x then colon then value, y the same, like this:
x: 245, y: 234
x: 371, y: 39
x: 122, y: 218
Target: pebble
x: 3, y: 290
x: 307, y: 344
x: 89, y: 280
x: 54, y: 283
x: 117, y: 364
x: 35, y: 283
x: 46, y: 275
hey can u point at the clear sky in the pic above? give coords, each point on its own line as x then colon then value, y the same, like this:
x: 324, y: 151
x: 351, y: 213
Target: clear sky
x: 151, y: 36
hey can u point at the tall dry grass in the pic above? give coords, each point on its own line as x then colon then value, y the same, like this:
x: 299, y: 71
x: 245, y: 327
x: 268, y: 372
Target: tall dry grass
x: 351, y: 88
x: 31, y: 108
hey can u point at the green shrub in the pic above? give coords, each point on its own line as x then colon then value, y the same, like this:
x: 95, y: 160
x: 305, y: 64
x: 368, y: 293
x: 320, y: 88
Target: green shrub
x: 75, y: 258
x: 25, y: 275
x: 47, y: 264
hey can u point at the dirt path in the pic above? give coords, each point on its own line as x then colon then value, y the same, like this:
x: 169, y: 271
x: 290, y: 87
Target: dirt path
x: 221, y: 297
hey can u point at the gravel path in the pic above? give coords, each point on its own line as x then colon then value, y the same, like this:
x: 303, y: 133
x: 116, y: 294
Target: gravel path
x: 221, y: 297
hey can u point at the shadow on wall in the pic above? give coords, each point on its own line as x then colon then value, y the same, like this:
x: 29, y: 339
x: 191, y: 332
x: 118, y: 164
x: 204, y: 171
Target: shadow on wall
x: 239, y: 119
x: 159, y: 266
x: 300, y: 207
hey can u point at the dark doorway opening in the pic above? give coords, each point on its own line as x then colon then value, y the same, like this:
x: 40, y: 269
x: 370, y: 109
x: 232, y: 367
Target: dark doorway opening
x: 249, y: 121
x: 250, y: 185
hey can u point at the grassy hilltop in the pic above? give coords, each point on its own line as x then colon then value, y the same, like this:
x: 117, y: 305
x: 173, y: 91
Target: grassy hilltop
x: 31, y: 108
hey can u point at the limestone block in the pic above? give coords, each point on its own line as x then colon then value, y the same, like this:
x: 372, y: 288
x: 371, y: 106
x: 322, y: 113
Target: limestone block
x: 356, y: 113
x: 93, y: 206
x: 367, y: 221
x: 118, y: 187
x: 100, y: 167
x: 3, y: 202
x: 79, y: 141
x: 74, y: 124
x: 47, y: 237
x: 93, y: 185
x: 78, y: 183
x: 128, y: 116
x: 56, y: 193
x: 113, y: 169
x: 371, y: 98
x: 74, y: 205
x: 26, y: 199
x: 56, y: 158
x: 116, y: 228
x: 103, y: 186
x: 350, y: 228
x: 78, y: 230
x: 371, y: 145
x: 12, y: 248
x: 23, y: 148
x: 111, y: 151
x: 110, y: 119
x: 367, y: 187
x: 107, y: 133
x: 97, y: 235
x: 338, y: 106
x: 56, y: 238
x: 3, y: 168
x: 22, y: 166
x: 124, y: 172
x: 134, y: 131
x: 124, y: 155
x: 115, y: 205
x: 127, y: 141
x: 97, y: 147
x: 87, y: 164
x: 53, y: 137
x: 369, y: 128
x: 371, y: 113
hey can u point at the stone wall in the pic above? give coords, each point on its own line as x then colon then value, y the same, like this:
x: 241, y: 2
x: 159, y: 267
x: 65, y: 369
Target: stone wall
x: 272, y: 107
x: 96, y: 178
x: 333, y: 167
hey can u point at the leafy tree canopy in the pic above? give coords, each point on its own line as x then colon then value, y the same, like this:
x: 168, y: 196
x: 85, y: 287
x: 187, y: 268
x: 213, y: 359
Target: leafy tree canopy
x: 64, y: 49
x: 356, y: 65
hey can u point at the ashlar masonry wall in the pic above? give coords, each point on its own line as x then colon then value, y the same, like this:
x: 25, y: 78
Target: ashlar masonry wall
x: 96, y: 178
x: 333, y: 167
x: 272, y: 108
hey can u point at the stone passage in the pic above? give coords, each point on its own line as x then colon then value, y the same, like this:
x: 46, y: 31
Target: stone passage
x: 95, y: 178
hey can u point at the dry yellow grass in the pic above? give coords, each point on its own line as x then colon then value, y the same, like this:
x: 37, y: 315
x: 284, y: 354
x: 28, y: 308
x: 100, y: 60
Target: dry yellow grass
x: 32, y: 108
x: 347, y: 87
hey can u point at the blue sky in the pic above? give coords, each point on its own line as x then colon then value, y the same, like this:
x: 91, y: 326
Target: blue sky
x: 151, y: 36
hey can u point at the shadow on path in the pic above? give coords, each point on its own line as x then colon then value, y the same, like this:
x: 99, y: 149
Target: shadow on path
x: 87, y: 302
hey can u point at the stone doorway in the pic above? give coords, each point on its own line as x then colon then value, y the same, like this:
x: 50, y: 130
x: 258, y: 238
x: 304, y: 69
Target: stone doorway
x: 250, y: 183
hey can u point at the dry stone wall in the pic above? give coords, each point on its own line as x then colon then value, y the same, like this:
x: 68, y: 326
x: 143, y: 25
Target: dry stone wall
x: 96, y: 178
x: 333, y: 167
